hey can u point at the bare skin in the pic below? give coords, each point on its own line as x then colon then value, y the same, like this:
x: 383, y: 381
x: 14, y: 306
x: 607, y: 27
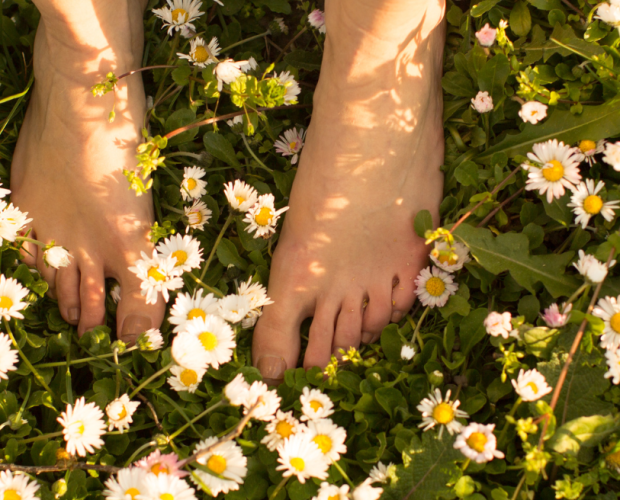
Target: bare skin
x: 67, y: 167
x: 370, y: 163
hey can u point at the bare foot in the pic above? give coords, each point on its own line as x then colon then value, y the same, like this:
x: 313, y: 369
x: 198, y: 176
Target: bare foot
x: 370, y: 163
x: 67, y: 167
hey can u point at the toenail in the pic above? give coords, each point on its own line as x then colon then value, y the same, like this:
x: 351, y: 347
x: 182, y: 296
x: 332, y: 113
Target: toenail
x: 133, y: 326
x: 396, y: 316
x: 367, y: 337
x: 272, y: 369
x: 74, y: 314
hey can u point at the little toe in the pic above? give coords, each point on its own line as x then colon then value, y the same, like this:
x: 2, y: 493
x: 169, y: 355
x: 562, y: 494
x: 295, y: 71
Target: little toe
x: 48, y: 273
x: 29, y: 253
x: 377, y: 313
x: 92, y: 295
x: 349, y: 325
x: 68, y: 290
x: 403, y: 297
x: 134, y: 316
x: 319, y: 350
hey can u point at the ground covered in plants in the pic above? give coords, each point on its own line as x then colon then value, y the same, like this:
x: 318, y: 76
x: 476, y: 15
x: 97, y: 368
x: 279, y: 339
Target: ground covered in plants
x: 527, y: 343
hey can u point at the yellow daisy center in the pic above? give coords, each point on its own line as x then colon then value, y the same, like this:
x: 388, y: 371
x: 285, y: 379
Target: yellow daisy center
x: 334, y: 497
x: 263, y: 218
x: 284, y: 429
x: 156, y: 274
x: 298, y: 463
x: 593, y: 204
x: 614, y: 322
x: 208, y: 340
x: 587, y: 145
x: 80, y: 427
x: 122, y: 414
x: 443, y: 413
x: 449, y: 259
x: 166, y: 496
x: 240, y: 199
x: 197, y: 217
x: 435, y: 286
x: 217, y: 464
x: 188, y: 377
x: 11, y: 495
x: 293, y: 145
x: 200, y: 55
x: 159, y: 468
x: 315, y: 405
x: 553, y: 171
x: 132, y: 492
x: 5, y: 302
x: 323, y: 442
x: 532, y: 386
x: 176, y: 14
x: 181, y: 256
x: 196, y: 313
x: 191, y: 183
x: 476, y: 441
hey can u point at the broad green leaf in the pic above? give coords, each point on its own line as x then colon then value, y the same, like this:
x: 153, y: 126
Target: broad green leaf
x: 301, y: 59
x: 457, y: 84
x: 228, y: 255
x: 483, y: 7
x: 467, y: 173
x: 472, y: 329
x: 455, y: 305
x: 284, y: 181
x: 583, y: 431
x: 539, y: 341
x: 177, y: 120
x: 520, y: 19
x: 278, y: 6
x: 510, y: 252
x: 390, y: 398
x: 181, y: 74
x: 559, y: 210
x: 218, y: 146
x: 492, y: 77
x: 423, y: 222
x: 391, y: 343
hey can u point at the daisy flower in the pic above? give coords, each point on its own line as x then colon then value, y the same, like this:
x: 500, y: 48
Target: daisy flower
x: 187, y: 307
x: 150, y: 340
x: 185, y: 379
x: 586, y: 203
x: 57, y: 257
x: 486, y: 36
x: 437, y: 410
x: 315, y: 405
x: 240, y: 195
x: 159, y: 464
x: 591, y: 268
x: 227, y: 464
x: 158, y: 275
x: 366, y: 491
x: 201, y: 54
x: 83, y: 427
x: 228, y: 71
x: 407, y: 352
x: 193, y: 187
x: 450, y: 260
x: 268, y: 402
x: 255, y: 293
x: 290, y: 143
x: 332, y: 492
x: 533, y: 112
x: 179, y: 14
x: 498, y: 324
x: 184, y: 249
x: 612, y: 357
x: 237, y: 390
x: 233, y: 307
x: 280, y: 428
x: 608, y: 310
x: 234, y: 124
x: 379, y: 473
x: 197, y: 215
x: 4, y: 192
x: 301, y: 457
x: 120, y: 412
x: 115, y: 293
x: 128, y: 482
x: 280, y: 25
x: 8, y: 356
x: 12, y: 221
x: 316, y: 18
x: 554, y: 318
x: 434, y: 287
x: 477, y: 442
x: 559, y: 170
x: 612, y: 154
x: 188, y: 352
x: 17, y: 486
x: 590, y: 148
x: 609, y: 13
x: 168, y: 487
x: 531, y: 385
x: 328, y: 437
x: 482, y: 103
x: 11, y: 295
x: 292, y: 87
x: 216, y: 338
x: 263, y: 217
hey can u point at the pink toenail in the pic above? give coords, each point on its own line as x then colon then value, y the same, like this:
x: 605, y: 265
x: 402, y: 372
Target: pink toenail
x: 396, y: 316
x: 74, y: 314
x: 367, y: 337
x: 133, y: 326
x: 272, y: 369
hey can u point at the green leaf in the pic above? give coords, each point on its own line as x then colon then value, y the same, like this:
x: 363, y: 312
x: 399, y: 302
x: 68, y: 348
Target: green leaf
x: 298, y: 491
x: 483, y: 7
x: 559, y: 210
x: 390, y: 398
x: 583, y: 431
x: 181, y: 74
x: 455, y: 305
x: 467, y: 173
x: 540, y: 340
x: 220, y: 148
x: 228, y: 255
x: 278, y: 6
x: 248, y: 241
x: 391, y: 343
x: 302, y: 59
x: 520, y: 19
x: 457, y: 84
x: 177, y: 120
x: 472, y: 329
x: 510, y: 252
x: 284, y: 181
x: 423, y: 222
x: 595, y: 122
x: 493, y: 75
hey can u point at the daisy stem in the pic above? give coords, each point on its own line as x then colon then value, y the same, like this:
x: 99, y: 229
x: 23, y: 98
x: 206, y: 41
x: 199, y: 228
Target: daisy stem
x: 574, y: 296
x: 36, y: 374
x: 275, y: 492
x: 416, y: 332
x: 132, y: 458
x: 68, y: 380
x: 150, y: 379
x: 262, y: 165
x: 216, y: 244
x: 41, y: 437
x: 118, y: 374
x: 196, y: 418
x: 344, y: 474
x: 268, y: 32
x: 465, y: 464
x: 30, y: 240
x: 518, y: 488
x: 82, y: 360
x: 214, y: 291
x: 172, y: 209
x: 505, y: 429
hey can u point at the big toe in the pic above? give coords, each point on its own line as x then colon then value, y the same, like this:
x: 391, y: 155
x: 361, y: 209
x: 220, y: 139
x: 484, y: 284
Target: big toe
x: 92, y: 296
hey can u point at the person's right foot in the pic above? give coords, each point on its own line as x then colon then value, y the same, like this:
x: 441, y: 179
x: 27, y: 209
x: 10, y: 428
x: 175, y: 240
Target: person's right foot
x: 68, y: 163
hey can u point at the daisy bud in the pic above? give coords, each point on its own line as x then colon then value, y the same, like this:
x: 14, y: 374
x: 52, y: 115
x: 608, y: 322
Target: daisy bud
x: 533, y: 111
x: 486, y: 36
x: 316, y: 18
x: 498, y: 324
x: 482, y: 103
x: 56, y: 257
x: 407, y: 352
x: 609, y: 13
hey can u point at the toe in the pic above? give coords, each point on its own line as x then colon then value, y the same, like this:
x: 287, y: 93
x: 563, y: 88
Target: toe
x: 68, y: 291
x: 319, y: 350
x: 377, y: 313
x: 403, y: 297
x: 29, y: 253
x: 134, y: 316
x: 92, y: 295
x: 48, y: 274
x: 349, y: 324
